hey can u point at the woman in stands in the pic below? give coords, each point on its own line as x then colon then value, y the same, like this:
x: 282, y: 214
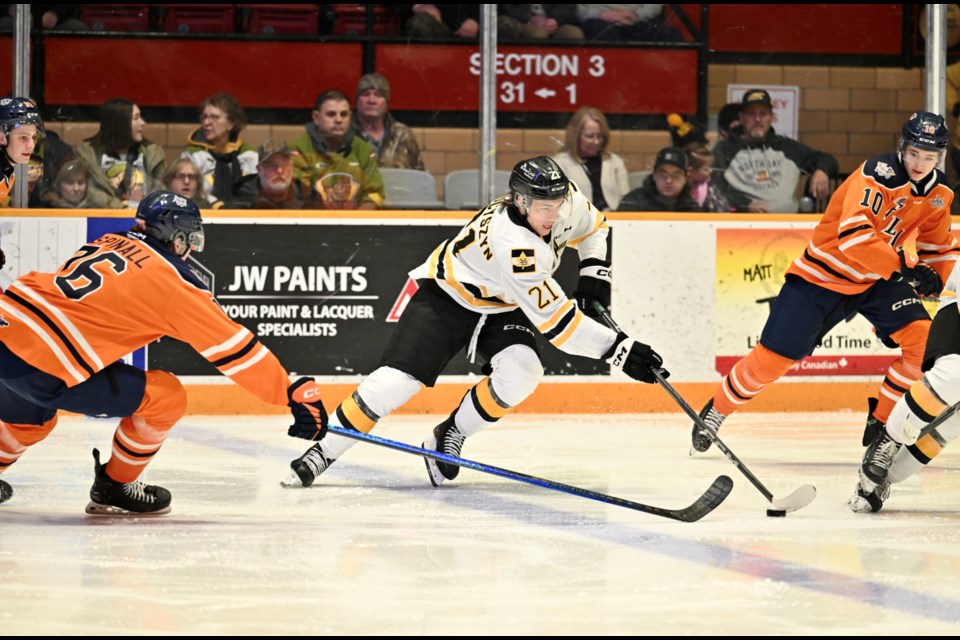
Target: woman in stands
x: 216, y: 148
x: 601, y: 175
x: 124, y: 166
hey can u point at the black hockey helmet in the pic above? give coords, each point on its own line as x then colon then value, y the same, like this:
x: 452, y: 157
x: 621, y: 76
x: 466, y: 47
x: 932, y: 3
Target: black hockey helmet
x: 169, y: 216
x: 539, y: 178
x: 15, y: 112
x: 925, y: 130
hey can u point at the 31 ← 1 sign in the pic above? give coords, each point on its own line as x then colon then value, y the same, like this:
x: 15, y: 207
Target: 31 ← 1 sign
x: 542, y: 79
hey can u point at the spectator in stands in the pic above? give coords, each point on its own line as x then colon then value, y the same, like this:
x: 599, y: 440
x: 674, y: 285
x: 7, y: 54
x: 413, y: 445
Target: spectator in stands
x: 184, y: 178
x: 329, y: 146
x: 68, y: 189
x: 761, y: 171
x: 538, y: 22
x: 455, y: 20
x: 215, y: 146
x: 48, y: 155
x: 59, y: 17
x: 394, y: 142
x: 124, y: 166
x: 625, y: 23
x: 728, y: 122
x: 600, y: 175
x: 699, y: 177
x: 666, y: 189
x: 273, y: 186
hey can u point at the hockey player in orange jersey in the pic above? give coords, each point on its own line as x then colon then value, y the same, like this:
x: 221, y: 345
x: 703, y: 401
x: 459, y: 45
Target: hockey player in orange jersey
x: 855, y: 263
x: 62, y: 335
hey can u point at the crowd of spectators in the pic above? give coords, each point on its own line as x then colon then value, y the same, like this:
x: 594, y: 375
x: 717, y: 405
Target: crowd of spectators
x: 335, y: 163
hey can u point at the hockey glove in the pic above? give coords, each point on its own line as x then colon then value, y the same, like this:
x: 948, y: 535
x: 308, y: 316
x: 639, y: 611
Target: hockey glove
x: 919, y: 275
x: 636, y: 359
x: 309, y: 416
x: 593, y: 287
x: 3, y: 259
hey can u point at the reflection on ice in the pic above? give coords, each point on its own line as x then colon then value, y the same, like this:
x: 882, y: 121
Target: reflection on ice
x: 373, y: 548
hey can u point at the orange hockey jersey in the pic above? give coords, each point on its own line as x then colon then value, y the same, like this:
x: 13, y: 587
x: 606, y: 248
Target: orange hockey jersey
x: 868, y: 218
x: 117, y: 294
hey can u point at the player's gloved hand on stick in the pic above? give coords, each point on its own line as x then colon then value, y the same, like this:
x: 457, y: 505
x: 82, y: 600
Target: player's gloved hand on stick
x: 309, y: 416
x: 636, y: 359
x: 593, y: 288
x: 919, y: 275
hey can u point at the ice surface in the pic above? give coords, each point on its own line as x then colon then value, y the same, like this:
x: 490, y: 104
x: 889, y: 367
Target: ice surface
x: 372, y: 548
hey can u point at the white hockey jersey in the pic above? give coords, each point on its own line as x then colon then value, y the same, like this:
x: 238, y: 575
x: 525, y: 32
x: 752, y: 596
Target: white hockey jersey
x: 498, y: 263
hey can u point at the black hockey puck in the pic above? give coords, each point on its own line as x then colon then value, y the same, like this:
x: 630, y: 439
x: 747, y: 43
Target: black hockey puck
x: 776, y: 513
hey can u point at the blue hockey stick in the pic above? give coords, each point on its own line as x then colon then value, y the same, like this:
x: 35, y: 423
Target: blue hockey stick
x: 710, y: 500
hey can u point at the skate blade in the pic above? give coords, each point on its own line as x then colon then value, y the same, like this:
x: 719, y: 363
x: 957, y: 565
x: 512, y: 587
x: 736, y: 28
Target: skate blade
x: 433, y: 471
x: 97, y: 509
x: 292, y: 480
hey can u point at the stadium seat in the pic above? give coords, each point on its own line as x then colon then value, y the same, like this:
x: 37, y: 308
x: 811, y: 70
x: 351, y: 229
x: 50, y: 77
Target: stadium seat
x: 461, y: 189
x: 409, y: 189
x: 116, y: 17
x: 351, y: 20
x: 197, y: 18
x: 280, y: 19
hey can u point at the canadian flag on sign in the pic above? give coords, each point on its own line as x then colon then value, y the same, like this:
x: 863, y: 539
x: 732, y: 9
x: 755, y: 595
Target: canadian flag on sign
x: 408, y: 290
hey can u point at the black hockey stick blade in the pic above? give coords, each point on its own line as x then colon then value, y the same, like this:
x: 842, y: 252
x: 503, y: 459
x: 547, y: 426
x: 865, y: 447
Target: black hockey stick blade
x: 715, y: 494
x: 800, y: 498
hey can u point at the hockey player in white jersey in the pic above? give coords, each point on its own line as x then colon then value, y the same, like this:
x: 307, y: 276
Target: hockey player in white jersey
x: 488, y: 289
x: 901, y: 448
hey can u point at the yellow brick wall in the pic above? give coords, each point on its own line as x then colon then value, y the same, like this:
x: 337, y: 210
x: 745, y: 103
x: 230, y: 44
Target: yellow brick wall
x: 851, y: 112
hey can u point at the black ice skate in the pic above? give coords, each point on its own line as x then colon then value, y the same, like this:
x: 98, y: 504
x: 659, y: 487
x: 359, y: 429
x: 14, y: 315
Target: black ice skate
x: 446, y: 438
x: 868, y: 496
x: 878, y: 457
x: 700, y: 439
x: 6, y: 491
x: 307, y: 467
x: 873, y: 427
x: 111, y: 498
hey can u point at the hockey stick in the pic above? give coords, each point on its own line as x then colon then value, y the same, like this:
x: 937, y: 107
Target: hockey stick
x: 931, y: 428
x: 800, y: 498
x: 710, y: 500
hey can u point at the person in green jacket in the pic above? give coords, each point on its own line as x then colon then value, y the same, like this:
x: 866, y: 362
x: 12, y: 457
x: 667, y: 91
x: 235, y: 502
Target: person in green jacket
x: 338, y: 168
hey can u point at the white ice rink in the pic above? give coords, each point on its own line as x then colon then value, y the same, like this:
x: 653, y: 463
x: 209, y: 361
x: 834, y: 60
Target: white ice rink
x: 372, y: 548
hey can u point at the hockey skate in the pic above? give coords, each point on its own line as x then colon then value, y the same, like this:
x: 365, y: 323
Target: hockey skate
x: 878, y: 457
x: 868, y: 496
x: 873, y: 427
x: 700, y: 438
x: 6, y: 491
x: 446, y: 438
x: 111, y: 498
x: 307, y: 467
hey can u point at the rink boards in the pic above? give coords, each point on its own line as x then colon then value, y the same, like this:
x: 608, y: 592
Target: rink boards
x: 324, y: 290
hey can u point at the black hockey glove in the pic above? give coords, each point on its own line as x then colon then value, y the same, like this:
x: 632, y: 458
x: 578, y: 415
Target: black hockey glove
x: 309, y: 416
x: 635, y: 359
x: 593, y: 287
x: 919, y: 275
x: 3, y: 259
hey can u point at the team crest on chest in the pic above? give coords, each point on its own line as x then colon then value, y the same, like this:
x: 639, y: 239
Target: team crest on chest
x: 937, y: 202
x: 884, y: 170
x: 524, y: 260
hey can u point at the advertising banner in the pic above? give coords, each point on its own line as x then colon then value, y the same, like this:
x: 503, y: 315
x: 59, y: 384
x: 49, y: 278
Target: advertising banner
x: 325, y: 298
x: 750, y: 271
